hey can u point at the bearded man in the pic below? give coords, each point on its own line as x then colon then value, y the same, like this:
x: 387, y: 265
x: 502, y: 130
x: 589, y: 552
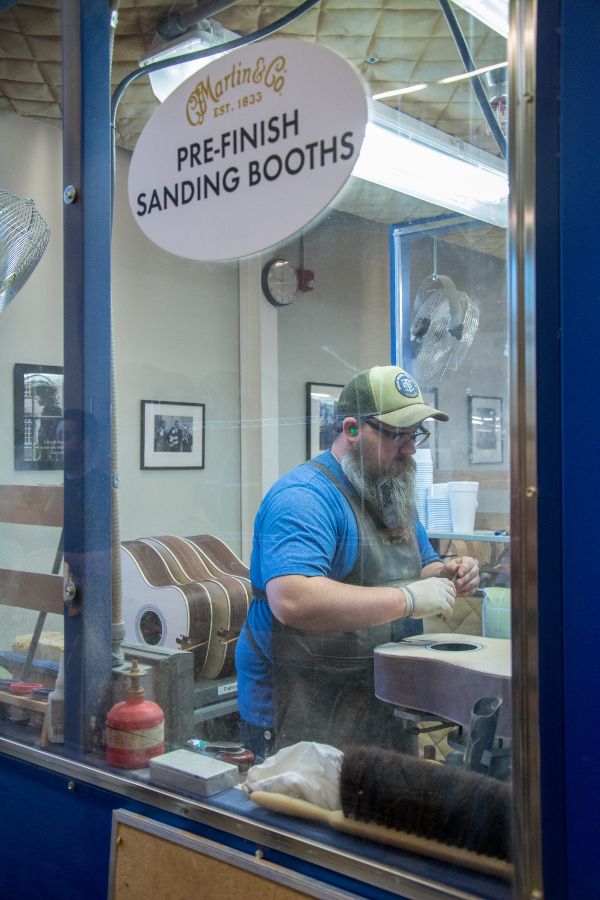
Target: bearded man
x: 341, y: 563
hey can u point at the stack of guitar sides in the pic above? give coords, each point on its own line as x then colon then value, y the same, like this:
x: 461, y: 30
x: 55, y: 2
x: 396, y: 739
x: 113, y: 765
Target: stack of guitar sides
x: 186, y: 593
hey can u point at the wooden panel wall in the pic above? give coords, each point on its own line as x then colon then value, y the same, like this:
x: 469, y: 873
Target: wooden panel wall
x: 150, y: 859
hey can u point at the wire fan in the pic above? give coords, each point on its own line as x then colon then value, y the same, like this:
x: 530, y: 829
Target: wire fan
x: 23, y: 239
x: 443, y: 328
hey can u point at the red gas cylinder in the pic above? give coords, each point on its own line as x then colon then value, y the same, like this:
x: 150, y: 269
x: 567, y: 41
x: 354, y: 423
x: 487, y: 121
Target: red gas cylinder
x: 135, y: 728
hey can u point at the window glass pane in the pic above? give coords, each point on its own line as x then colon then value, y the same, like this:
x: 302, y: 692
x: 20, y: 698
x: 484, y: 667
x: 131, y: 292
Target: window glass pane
x: 261, y: 596
x: 31, y: 394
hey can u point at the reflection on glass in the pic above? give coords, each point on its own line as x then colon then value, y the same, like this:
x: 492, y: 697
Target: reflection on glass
x: 31, y: 393
x: 284, y: 562
x: 38, y: 392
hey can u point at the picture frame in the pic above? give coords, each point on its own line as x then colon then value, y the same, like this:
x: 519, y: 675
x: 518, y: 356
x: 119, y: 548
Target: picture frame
x: 321, y: 410
x: 486, y: 430
x: 430, y: 397
x: 172, y: 435
x: 38, y: 416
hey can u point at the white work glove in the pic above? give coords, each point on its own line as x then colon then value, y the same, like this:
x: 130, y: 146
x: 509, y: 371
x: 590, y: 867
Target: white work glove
x: 429, y: 597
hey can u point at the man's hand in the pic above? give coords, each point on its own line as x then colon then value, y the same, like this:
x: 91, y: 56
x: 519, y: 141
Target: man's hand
x: 429, y: 597
x: 463, y: 572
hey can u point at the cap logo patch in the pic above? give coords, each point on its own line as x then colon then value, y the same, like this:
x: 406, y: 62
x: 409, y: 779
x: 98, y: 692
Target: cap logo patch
x: 407, y: 386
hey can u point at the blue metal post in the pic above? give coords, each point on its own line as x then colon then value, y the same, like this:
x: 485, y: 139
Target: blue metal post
x: 580, y: 327
x: 549, y: 453
x: 87, y: 348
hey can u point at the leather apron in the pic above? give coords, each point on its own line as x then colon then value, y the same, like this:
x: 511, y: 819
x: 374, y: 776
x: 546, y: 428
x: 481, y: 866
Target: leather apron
x: 323, y: 683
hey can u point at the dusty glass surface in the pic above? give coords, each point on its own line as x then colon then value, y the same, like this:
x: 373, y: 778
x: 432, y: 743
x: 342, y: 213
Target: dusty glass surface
x: 31, y: 394
x: 219, y: 393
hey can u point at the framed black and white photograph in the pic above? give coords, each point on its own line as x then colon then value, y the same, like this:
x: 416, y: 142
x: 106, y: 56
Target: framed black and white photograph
x: 321, y: 408
x: 485, y: 430
x: 430, y: 397
x: 172, y: 435
x: 38, y: 416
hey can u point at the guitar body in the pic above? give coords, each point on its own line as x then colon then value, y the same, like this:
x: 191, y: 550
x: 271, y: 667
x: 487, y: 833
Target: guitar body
x: 444, y: 674
x: 172, y: 597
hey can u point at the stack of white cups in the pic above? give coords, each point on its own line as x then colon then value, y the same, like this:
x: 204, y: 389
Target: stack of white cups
x: 423, y: 481
x: 438, y: 508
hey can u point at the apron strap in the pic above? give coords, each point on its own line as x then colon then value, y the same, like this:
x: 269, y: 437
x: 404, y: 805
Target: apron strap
x: 254, y: 643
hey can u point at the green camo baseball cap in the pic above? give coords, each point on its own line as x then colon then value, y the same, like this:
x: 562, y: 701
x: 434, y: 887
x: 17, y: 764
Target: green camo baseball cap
x: 389, y: 394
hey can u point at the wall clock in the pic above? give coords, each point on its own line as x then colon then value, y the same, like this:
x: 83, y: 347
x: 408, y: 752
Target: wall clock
x: 279, y: 282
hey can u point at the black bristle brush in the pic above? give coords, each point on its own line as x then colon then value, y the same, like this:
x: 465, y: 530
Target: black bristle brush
x: 451, y: 814
x: 452, y: 805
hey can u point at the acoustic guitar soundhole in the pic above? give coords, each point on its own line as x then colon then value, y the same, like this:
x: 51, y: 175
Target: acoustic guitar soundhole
x: 151, y: 627
x: 454, y: 646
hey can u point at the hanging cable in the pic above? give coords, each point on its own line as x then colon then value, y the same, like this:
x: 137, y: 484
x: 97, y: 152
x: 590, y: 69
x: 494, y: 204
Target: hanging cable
x: 208, y: 51
x: 467, y: 60
x: 190, y: 57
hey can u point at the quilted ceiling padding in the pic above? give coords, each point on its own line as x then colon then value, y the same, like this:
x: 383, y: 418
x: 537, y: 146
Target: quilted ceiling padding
x: 393, y: 43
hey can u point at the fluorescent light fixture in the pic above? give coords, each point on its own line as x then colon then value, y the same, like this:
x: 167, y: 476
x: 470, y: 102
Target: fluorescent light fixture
x: 420, y: 87
x: 405, y: 90
x: 493, y: 13
x: 472, y: 73
x: 206, y: 33
x: 406, y: 155
x: 398, y: 152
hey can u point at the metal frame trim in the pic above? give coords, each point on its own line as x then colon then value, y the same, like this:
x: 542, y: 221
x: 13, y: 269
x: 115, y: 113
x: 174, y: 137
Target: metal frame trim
x: 394, y: 881
x: 397, y: 311
x: 87, y: 354
x: 524, y: 475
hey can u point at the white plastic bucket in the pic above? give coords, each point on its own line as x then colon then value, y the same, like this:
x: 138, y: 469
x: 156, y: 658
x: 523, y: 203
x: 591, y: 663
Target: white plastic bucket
x: 463, y: 504
x: 496, y: 612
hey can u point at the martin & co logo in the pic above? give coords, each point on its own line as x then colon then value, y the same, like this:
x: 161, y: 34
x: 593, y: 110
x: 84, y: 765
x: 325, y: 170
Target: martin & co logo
x: 270, y: 76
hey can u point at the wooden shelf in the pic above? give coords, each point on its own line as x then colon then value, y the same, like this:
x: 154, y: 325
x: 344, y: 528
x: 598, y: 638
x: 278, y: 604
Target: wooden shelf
x: 33, y: 705
x: 24, y: 702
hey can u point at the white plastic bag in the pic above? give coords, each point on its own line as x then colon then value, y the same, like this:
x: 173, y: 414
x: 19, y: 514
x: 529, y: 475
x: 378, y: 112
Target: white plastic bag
x: 306, y: 770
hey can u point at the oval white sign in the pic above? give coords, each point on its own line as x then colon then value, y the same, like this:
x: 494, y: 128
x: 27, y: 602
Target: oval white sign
x: 248, y: 150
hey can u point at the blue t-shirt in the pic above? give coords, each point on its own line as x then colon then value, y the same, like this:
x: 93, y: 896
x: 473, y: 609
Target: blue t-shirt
x: 304, y: 526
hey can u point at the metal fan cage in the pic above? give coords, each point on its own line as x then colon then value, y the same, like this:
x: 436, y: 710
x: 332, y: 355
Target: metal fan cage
x: 442, y: 349
x: 24, y: 236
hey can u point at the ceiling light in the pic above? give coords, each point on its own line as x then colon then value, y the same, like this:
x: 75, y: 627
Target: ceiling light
x: 398, y: 152
x: 406, y: 155
x: 406, y: 90
x: 472, y: 73
x: 493, y: 13
x: 420, y: 87
x: 206, y: 33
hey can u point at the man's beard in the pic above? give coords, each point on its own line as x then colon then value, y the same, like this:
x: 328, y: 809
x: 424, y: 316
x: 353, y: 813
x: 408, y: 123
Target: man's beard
x: 389, y: 492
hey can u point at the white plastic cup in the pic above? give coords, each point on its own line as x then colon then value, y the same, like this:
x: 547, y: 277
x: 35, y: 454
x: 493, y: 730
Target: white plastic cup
x: 439, y: 489
x: 463, y: 504
x: 423, y: 455
x: 438, y: 514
